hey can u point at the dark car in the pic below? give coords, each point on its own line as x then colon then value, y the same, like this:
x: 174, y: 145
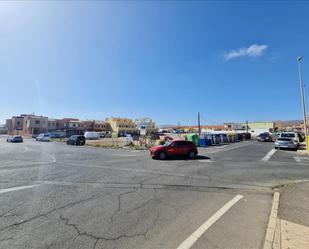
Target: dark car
x: 14, y: 139
x: 264, y: 137
x: 76, y: 140
x: 174, y: 148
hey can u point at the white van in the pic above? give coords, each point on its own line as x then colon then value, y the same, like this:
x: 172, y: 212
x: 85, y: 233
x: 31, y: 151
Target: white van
x: 91, y: 135
x: 44, y: 137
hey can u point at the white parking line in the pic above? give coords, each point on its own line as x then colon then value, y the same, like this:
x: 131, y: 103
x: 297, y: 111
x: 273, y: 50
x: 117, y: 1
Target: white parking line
x: 52, y: 157
x: 205, y: 161
x: 17, y: 188
x: 189, y: 242
x: 297, y: 159
x: 269, y: 155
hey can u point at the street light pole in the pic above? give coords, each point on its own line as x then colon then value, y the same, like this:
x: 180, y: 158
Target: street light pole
x: 302, y: 97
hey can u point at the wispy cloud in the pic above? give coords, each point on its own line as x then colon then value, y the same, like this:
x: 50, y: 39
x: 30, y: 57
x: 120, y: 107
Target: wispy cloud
x: 253, y: 51
x: 273, y: 58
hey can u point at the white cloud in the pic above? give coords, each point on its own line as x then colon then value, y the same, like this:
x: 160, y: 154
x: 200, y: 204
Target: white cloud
x: 253, y: 51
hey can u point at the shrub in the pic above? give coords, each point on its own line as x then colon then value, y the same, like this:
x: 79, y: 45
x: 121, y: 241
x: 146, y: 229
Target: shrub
x: 161, y: 142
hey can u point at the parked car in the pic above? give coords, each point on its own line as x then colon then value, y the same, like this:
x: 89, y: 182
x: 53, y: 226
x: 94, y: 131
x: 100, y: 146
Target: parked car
x: 129, y: 139
x: 264, y: 137
x: 292, y: 135
x: 91, y: 135
x: 15, y: 139
x: 286, y: 143
x: 76, y: 140
x: 174, y: 148
x: 301, y: 136
x: 56, y: 135
x: 108, y: 134
x: 43, y: 137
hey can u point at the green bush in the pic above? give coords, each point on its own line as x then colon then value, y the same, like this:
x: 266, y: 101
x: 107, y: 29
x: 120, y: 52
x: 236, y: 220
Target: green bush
x: 161, y: 142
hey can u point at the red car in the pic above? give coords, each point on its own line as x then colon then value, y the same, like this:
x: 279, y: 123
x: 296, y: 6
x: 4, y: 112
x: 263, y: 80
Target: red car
x: 174, y: 148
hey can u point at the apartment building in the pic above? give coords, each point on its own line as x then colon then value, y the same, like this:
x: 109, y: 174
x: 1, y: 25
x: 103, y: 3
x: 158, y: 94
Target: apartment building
x: 255, y: 128
x: 34, y: 125
x: 52, y: 124
x: 147, y: 124
x: 30, y: 124
x: 14, y: 123
x: 26, y: 125
x: 122, y: 126
x: 99, y: 125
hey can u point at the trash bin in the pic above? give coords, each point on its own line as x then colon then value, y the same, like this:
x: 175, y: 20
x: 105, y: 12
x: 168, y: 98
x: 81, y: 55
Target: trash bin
x: 223, y: 138
x: 216, y: 138
x: 202, y: 142
x: 193, y: 138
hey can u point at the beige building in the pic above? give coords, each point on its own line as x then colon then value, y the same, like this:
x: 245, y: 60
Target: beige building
x: 99, y: 125
x: 146, y: 123
x: 256, y: 128
x: 122, y: 125
x: 74, y: 124
x: 35, y: 124
x: 52, y: 124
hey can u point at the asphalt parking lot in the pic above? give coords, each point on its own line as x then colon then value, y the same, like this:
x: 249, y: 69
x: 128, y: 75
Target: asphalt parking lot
x: 57, y: 196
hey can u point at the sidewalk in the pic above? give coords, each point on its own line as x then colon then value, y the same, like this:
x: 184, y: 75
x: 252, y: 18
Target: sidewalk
x: 292, y: 226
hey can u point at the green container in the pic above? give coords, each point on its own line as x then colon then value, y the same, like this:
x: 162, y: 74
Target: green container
x: 193, y: 138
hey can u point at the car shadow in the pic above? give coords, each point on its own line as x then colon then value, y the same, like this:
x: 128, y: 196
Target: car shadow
x: 185, y: 158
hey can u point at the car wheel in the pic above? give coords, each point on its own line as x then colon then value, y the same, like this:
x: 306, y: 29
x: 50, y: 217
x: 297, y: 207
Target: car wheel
x: 191, y: 154
x: 162, y: 155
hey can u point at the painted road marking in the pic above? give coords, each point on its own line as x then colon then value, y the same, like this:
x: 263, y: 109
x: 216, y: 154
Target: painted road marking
x: 228, y: 147
x: 205, y: 161
x: 189, y: 242
x: 53, y: 158
x: 271, y: 227
x: 269, y: 155
x: 17, y: 188
x: 25, y: 149
x: 297, y: 159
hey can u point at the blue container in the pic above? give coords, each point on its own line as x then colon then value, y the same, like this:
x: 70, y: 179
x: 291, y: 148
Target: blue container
x: 202, y: 142
x: 208, y: 141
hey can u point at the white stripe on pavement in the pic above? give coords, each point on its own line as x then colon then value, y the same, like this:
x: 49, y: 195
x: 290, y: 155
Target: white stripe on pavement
x: 52, y: 157
x: 205, y: 161
x: 189, y: 242
x: 17, y: 188
x: 297, y: 159
x: 269, y: 155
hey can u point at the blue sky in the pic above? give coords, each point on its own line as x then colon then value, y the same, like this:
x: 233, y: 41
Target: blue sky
x: 232, y: 61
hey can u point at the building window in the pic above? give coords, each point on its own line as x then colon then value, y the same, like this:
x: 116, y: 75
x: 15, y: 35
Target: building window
x: 37, y: 121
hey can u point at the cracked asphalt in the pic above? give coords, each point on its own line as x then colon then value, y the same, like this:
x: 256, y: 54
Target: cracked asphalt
x: 86, y: 197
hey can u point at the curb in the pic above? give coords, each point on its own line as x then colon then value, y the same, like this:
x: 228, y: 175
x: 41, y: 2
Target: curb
x: 270, y: 231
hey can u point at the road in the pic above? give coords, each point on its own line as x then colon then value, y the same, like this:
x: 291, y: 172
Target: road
x: 57, y: 196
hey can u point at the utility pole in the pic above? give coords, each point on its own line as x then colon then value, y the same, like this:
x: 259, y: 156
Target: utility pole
x: 302, y: 97
x: 199, y: 124
x: 247, y: 128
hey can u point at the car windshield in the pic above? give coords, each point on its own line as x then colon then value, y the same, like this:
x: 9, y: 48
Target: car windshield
x: 287, y: 135
x: 264, y: 135
x: 167, y: 143
x: 284, y: 139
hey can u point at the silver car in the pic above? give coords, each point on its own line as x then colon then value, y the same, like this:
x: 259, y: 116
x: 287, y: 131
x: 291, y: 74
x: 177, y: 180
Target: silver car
x: 286, y: 143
